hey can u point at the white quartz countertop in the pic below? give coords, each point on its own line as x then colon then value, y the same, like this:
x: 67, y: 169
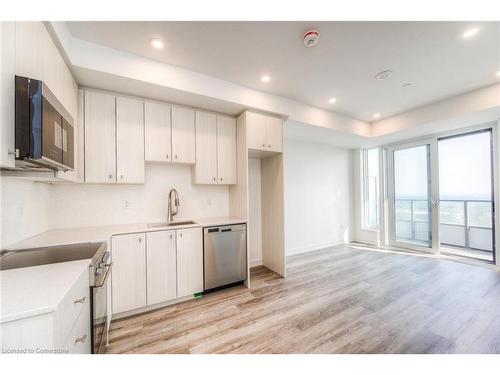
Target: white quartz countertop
x: 103, y: 233
x: 37, y: 290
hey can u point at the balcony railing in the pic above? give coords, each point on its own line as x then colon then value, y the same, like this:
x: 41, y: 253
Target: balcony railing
x: 463, y: 223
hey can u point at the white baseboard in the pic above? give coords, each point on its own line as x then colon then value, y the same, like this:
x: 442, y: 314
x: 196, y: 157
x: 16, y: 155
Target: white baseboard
x: 305, y: 249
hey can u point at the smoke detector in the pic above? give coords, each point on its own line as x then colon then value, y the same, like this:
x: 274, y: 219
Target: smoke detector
x: 311, y: 38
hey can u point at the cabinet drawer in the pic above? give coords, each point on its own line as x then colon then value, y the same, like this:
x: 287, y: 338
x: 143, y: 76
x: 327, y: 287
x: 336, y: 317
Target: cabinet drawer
x: 76, y: 303
x: 79, y: 340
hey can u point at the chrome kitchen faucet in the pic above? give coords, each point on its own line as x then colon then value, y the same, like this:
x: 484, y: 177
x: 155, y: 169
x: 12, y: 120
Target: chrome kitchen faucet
x: 173, y: 210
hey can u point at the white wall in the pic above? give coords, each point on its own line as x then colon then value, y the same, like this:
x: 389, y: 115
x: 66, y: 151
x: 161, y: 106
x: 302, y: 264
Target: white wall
x: 74, y: 205
x: 318, y: 185
x: 24, y: 211
x: 254, y: 212
x: 29, y: 208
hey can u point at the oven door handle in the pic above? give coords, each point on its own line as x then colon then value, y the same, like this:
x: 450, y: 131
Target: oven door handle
x: 104, y: 277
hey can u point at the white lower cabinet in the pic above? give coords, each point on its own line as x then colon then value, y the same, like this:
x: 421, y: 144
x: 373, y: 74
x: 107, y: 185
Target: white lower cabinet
x: 65, y: 330
x: 155, y: 267
x: 161, y: 259
x: 189, y: 261
x: 128, y: 277
x: 79, y: 339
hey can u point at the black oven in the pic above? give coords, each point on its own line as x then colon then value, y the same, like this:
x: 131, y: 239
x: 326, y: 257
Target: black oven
x: 99, y: 303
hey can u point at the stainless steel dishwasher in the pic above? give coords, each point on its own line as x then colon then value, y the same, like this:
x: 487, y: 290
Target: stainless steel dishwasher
x: 224, y: 256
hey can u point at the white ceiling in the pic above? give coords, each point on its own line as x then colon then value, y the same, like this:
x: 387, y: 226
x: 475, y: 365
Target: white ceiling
x: 431, y: 55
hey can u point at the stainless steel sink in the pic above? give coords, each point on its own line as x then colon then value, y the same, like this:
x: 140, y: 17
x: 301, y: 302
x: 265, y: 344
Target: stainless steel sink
x: 171, y: 224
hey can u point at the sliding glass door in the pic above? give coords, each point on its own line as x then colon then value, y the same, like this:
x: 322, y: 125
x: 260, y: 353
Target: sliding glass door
x: 466, y: 195
x: 413, y: 196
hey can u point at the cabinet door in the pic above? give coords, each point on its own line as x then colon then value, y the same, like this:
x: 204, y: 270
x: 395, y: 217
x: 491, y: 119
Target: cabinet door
x: 183, y: 135
x: 7, y: 89
x: 274, y: 134
x: 78, y: 174
x: 158, y: 132
x: 100, y: 137
x: 256, y: 131
x: 226, y: 150
x: 189, y: 261
x: 129, y: 140
x: 128, y: 275
x: 161, y: 262
x: 205, y: 169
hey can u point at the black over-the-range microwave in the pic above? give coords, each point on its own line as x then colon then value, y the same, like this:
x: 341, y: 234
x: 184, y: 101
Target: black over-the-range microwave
x: 44, y: 131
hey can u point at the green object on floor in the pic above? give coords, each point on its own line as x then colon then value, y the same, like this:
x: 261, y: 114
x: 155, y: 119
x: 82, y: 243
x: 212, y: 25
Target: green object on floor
x: 198, y: 295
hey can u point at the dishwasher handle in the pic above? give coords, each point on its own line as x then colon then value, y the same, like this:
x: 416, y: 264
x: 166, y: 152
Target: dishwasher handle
x: 225, y: 228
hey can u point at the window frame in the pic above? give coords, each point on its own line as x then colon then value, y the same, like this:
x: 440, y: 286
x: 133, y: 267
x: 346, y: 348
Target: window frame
x: 365, y: 190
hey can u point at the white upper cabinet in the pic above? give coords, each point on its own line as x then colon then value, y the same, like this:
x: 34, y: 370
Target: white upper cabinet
x: 129, y: 140
x: 189, y: 261
x: 100, y: 137
x: 226, y: 150
x: 7, y: 87
x: 256, y: 130
x: 183, y: 135
x: 215, y: 149
x: 128, y: 277
x: 158, y: 132
x: 161, y: 262
x: 264, y: 133
x: 205, y: 169
x: 274, y: 134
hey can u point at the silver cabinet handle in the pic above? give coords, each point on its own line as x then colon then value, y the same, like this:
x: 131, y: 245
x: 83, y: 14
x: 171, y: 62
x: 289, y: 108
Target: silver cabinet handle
x: 176, y: 156
x: 121, y: 177
x: 269, y: 146
x: 215, y: 179
x: 79, y: 300
x: 180, y: 235
x: 110, y: 176
x: 221, y: 178
x: 140, y: 239
x: 263, y: 145
x: 81, y: 339
x: 171, y: 236
x: 167, y: 156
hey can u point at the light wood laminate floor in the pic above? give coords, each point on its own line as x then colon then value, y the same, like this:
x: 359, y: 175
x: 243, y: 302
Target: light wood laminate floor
x: 336, y: 300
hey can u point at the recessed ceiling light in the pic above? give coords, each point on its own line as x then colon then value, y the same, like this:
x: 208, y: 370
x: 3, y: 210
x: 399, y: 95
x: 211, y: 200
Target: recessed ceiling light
x: 156, y: 43
x: 470, y: 33
x: 407, y: 84
x: 332, y: 100
x: 376, y: 115
x: 265, y: 78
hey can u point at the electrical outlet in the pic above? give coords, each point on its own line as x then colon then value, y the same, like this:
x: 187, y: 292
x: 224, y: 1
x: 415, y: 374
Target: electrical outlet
x: 127, y: 204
